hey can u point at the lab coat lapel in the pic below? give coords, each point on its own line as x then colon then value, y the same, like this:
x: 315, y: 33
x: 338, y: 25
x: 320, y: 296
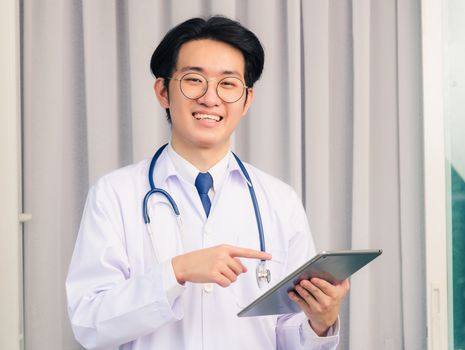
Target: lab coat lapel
x: 162, y: 216
x: 166, y: 177
x: 192, y: 197
x: 233, y: 214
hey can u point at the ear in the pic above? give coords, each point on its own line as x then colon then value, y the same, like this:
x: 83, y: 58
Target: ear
x: 161, y: 92
x: 249, y: 100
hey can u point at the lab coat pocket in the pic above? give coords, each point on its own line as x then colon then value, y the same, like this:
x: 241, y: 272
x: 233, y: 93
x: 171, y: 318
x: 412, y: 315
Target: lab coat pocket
x: 246, y: 288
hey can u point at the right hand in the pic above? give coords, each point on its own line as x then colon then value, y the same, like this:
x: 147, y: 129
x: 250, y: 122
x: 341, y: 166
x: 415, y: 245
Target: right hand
x: 220, y: 264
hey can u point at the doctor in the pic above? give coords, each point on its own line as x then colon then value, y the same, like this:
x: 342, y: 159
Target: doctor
x: 178, y: 284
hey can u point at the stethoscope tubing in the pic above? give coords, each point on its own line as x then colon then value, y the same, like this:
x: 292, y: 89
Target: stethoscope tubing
x: 256, y: 208
x: 154, y: 190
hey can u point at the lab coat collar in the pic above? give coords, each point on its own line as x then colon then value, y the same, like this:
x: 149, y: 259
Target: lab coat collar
x: 164, y: 169
x: 168, y: 170
x: 188, y: 172
x: 184, y: 169
x: 234, y: 167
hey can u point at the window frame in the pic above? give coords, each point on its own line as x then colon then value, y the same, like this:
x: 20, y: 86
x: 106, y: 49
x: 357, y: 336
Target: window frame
x: 436, y: 237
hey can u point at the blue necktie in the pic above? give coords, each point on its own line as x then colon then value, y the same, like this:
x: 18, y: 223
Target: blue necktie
x: 203, y: 183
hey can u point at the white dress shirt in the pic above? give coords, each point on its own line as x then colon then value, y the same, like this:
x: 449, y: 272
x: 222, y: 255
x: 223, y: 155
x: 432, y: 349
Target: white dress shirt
x: 121, y: 297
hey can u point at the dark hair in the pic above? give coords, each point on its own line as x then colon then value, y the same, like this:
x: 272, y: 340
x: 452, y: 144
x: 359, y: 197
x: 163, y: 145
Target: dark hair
x: 217, y: 28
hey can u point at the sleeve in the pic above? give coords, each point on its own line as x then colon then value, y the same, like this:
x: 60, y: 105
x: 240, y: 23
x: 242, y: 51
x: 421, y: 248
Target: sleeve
x: 293, y: 330
x: 107, y: 304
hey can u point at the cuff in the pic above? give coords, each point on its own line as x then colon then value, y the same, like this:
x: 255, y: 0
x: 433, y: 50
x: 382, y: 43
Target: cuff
x: 171, y: 286
x: 308, y: 332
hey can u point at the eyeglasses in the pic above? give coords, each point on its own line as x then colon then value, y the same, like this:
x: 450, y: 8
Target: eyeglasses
x: 194, y: 85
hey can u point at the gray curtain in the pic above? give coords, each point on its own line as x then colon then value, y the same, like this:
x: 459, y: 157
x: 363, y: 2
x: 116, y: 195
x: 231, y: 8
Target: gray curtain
x: 337, y: 115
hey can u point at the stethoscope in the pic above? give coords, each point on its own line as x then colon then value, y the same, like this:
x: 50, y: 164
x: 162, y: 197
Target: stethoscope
x: 262, y: 273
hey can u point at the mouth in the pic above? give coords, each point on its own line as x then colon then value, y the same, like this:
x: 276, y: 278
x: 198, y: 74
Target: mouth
x: 208, y: 117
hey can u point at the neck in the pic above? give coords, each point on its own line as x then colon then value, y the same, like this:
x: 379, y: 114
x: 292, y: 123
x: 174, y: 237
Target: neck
x: 202, y: 158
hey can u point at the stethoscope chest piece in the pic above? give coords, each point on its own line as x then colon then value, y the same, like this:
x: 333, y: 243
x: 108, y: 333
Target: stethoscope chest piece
x: 263, y: 274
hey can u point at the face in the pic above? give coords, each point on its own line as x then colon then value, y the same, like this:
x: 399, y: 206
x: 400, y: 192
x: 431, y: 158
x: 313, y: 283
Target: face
x: 206, y: 122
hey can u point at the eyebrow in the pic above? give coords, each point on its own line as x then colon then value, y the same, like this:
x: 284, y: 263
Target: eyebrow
x: 201, y: 70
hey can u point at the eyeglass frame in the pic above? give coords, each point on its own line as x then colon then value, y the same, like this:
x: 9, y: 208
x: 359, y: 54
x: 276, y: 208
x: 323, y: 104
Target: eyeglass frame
x: 246, y: 88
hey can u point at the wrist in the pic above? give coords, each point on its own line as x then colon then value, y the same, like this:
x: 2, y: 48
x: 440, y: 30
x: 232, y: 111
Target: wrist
x: 320, y: 330
x: 176, y: 262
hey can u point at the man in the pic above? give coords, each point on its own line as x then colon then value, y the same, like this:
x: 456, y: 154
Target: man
x: 180, y: 287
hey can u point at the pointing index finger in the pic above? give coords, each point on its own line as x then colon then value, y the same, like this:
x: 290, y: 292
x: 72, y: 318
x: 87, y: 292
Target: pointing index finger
x: 249, y: 253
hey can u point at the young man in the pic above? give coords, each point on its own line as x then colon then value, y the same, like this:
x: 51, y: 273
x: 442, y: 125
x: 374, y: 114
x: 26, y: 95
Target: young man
x: 181, y: 286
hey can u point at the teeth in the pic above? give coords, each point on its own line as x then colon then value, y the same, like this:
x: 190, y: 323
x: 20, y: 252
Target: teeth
x: 200, y: 116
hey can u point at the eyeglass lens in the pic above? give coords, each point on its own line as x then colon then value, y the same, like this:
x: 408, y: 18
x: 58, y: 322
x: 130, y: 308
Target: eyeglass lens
x: 229, y: 89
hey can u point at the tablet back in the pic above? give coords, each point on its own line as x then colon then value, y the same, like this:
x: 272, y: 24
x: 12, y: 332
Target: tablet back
x: 331, y: 266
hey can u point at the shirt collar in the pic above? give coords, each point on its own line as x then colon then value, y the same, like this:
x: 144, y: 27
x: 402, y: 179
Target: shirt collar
x: 189, y: 172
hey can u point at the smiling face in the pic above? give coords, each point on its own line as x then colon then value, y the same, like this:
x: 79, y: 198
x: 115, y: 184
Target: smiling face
x: 205, y: 123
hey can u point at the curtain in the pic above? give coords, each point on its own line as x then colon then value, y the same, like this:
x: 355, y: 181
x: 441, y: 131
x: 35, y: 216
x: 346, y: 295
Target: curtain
x: 337, y: 114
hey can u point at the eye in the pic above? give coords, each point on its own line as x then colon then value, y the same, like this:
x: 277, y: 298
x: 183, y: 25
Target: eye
x: 230, y: 83
x: 192, y: 80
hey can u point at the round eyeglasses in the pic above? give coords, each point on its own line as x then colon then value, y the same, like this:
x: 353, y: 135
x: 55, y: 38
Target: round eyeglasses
x: 193, y: 86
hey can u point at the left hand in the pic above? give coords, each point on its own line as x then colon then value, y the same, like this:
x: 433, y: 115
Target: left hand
x: 320, y: 301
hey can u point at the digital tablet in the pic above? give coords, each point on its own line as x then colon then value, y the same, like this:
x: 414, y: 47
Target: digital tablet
x: 332, y: 266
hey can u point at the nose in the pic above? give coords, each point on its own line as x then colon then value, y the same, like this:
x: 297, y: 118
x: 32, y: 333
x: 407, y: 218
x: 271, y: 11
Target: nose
x: 210, y: 98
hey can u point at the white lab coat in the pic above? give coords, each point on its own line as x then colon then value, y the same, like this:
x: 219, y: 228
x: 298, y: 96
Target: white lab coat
x: 116, y: 296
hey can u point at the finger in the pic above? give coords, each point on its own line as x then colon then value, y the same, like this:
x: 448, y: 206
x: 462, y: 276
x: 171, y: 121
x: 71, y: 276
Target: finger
x: 318, y: 301
x: 324, y: 286
x: 345, y: 285
x: 249, y: 253
x: 341, y: 289
x: 229, y: 274
x: 307, y: 296
x: 313, y: 304
x: 222, y: 280
x: 298, y: 300
x: 236, y: 265
x: 244, y: 268
x: 317, y: 293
